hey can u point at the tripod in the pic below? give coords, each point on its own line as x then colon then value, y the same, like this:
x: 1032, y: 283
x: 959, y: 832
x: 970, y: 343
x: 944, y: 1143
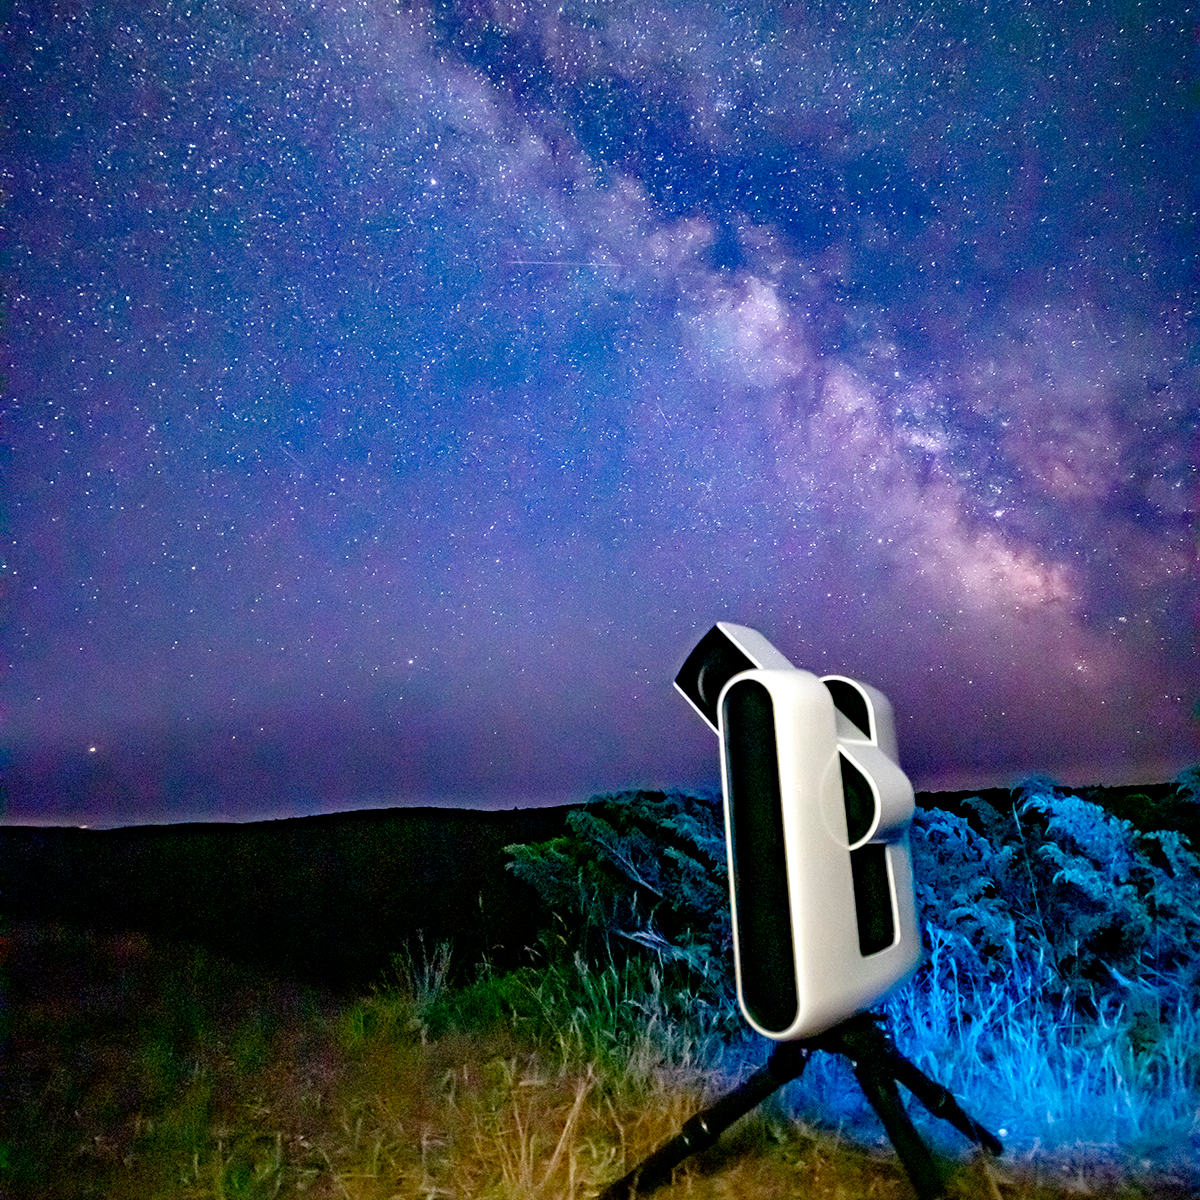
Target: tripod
x: 878, y: 1066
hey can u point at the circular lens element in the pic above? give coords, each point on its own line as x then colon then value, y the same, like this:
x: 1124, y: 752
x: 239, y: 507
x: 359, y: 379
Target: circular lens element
x: 862, y: 809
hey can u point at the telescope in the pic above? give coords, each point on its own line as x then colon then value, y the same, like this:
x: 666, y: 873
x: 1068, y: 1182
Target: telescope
x: 817, y: 813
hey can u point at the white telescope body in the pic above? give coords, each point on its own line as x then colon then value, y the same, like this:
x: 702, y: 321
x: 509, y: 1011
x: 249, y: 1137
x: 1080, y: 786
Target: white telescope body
x: 817, y: 812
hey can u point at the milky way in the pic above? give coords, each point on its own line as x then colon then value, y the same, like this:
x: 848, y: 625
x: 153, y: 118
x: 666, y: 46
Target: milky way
x: 397, y: 393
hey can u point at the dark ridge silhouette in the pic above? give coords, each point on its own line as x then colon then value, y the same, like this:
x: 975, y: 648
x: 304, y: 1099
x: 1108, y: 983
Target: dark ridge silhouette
x: 329, y: 899
x: 324, y: 899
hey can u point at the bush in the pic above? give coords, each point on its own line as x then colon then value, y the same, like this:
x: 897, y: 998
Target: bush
x: 641, y: 875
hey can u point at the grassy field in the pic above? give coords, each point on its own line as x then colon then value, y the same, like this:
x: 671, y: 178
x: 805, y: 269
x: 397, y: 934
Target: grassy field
x: 137, y: 1071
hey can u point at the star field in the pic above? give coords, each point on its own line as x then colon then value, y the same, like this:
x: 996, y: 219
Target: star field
x: 396, y: 392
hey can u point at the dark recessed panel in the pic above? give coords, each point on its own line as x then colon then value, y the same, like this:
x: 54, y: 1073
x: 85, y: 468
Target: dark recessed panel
x: 872, y: 898
x: 859, y: 800
x: 851, y: 703
x: 760, y: 886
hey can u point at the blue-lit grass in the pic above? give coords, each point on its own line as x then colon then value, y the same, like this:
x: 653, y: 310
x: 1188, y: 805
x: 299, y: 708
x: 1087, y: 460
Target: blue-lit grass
x: 1114, y: 1092
x: 1112, y: 1083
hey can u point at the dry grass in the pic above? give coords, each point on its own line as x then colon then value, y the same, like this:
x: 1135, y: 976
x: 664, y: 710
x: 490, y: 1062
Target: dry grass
x: 136, y: 1072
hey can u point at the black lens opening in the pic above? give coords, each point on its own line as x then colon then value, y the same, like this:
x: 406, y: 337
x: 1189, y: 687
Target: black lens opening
x: 710, y: 666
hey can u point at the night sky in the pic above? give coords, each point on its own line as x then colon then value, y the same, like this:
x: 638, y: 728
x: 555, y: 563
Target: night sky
x: 396, y: 393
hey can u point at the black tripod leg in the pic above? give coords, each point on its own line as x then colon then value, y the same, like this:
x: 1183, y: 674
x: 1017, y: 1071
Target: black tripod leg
x: 941, y: 1102
x: 787, y: 1060
x: 880, y: 1089
x: 862, y: 1040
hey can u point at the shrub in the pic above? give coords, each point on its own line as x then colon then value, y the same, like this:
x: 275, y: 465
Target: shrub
x: 640, y: 874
